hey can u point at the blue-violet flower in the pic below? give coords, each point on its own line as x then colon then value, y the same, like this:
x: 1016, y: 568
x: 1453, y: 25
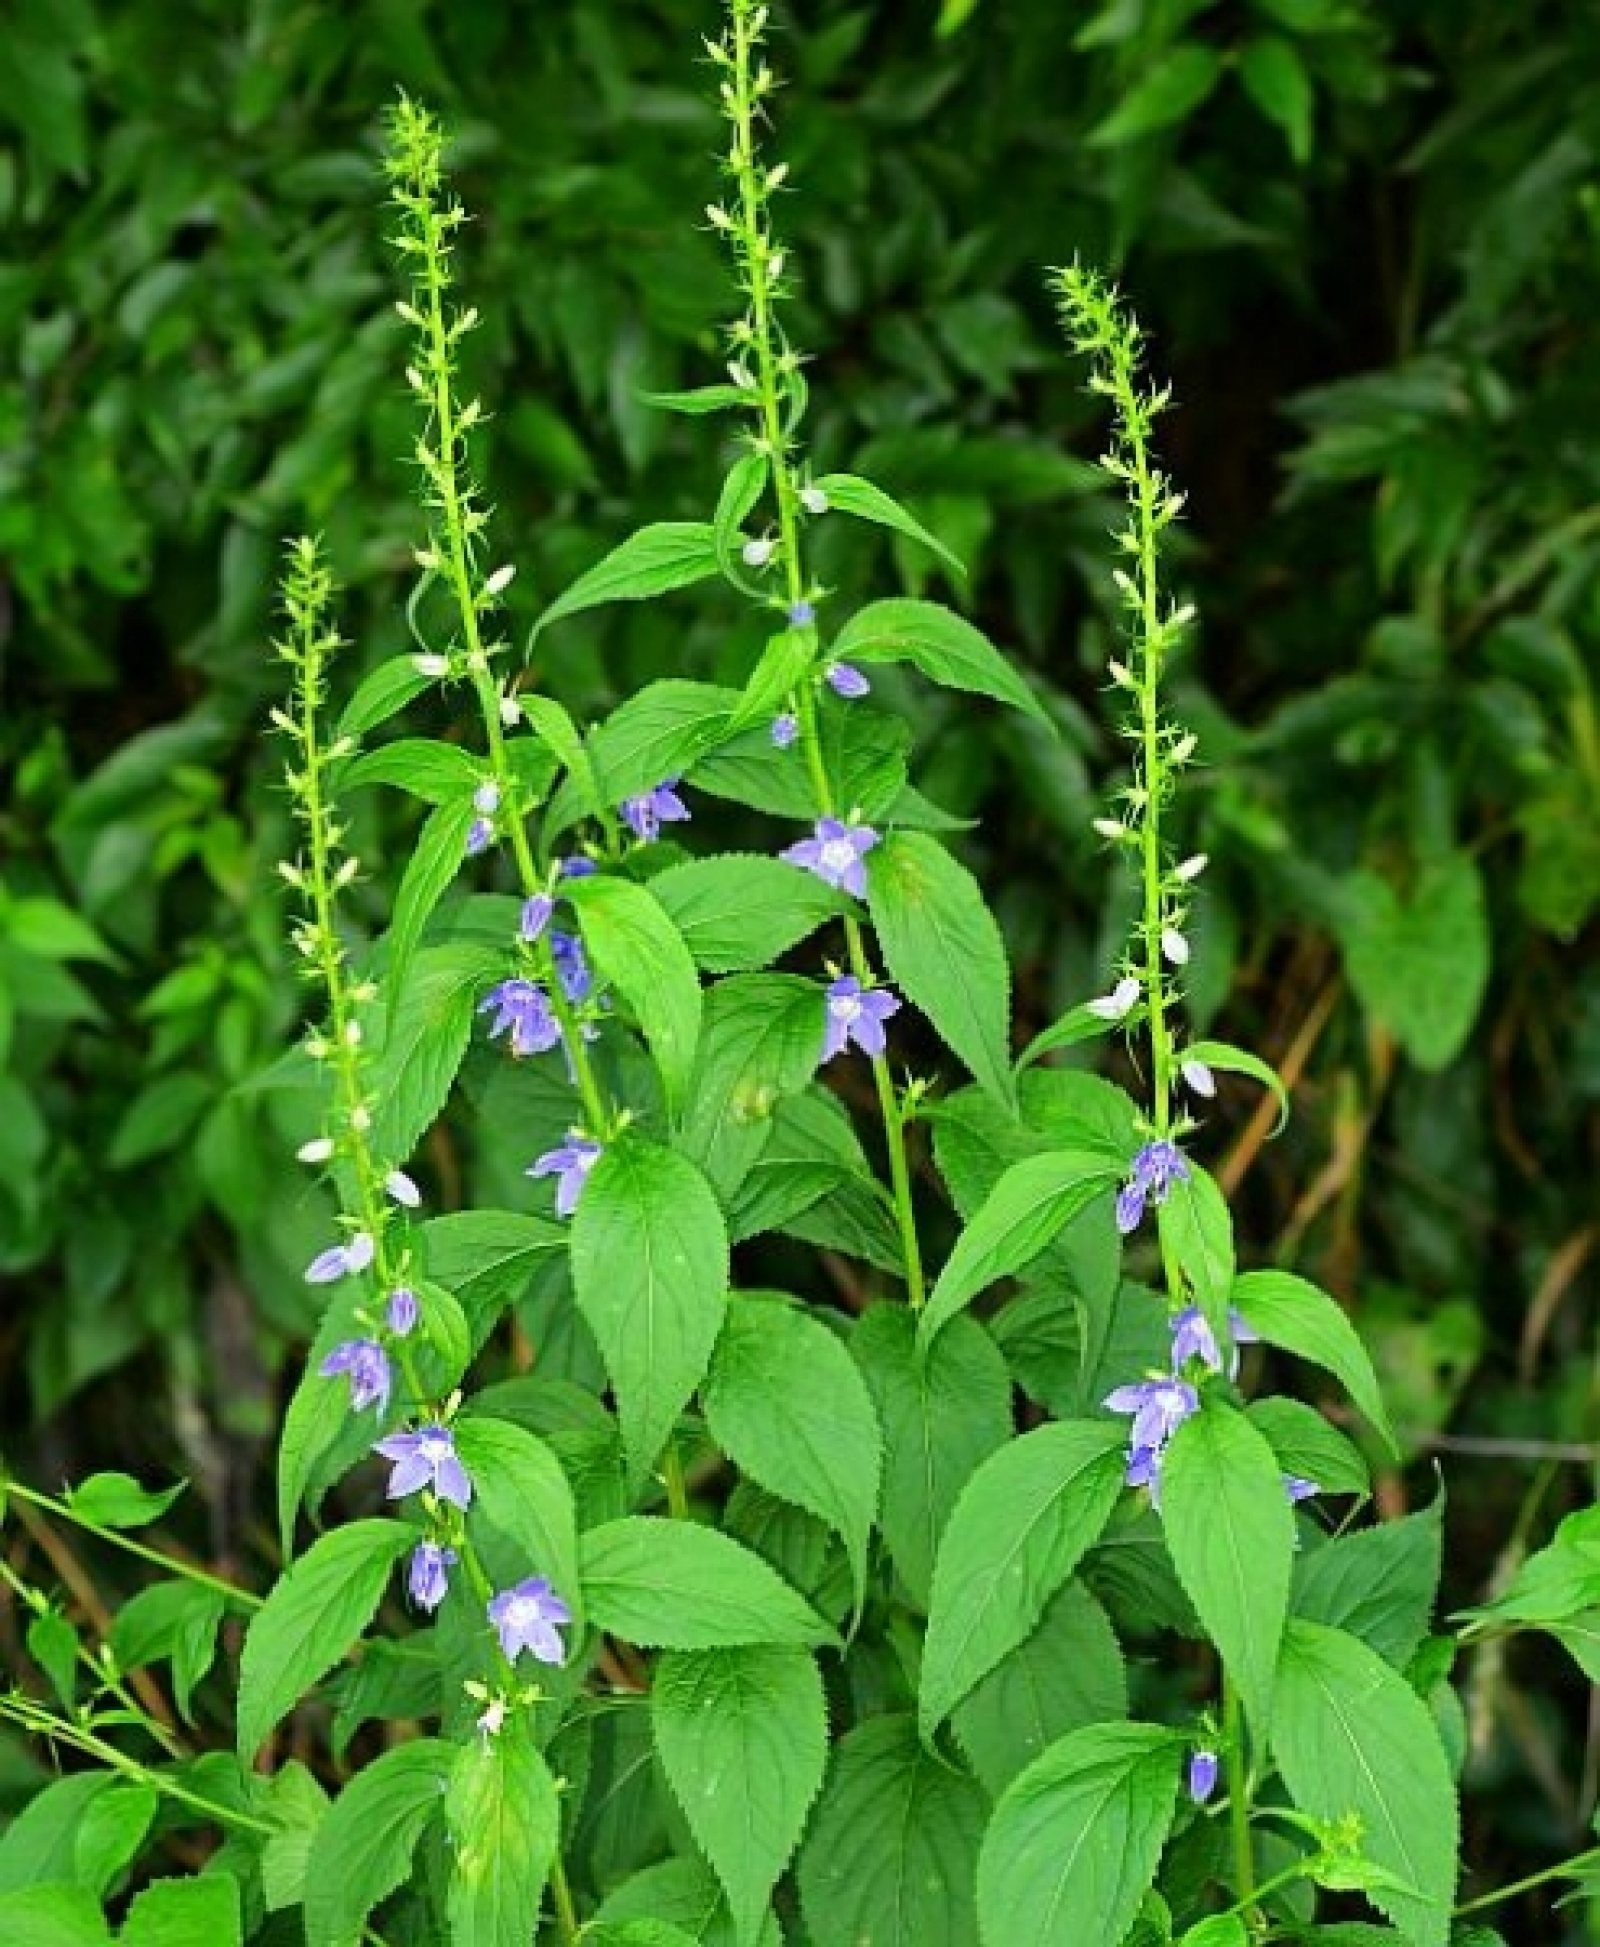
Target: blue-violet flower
x: 1159, y: 1407
x: 402, y: 1311
x: 527, y: 1618
x: 341, y: 1260
x: 1202, y: 1776
x: 845, y: 680
x: 426, y: 1458
x: 366, y: 1365
x: 1193, y: 1338
x: 857, y: 1014
x: 835, y: 853
x: 536, y: 913
x: 428, y: 1580
x: 650, y: 810
x: 572, y: 967
x: 1155, y: 1169
x: 785, y: 730
x: 524, y: 1007
x: 569, y: 1164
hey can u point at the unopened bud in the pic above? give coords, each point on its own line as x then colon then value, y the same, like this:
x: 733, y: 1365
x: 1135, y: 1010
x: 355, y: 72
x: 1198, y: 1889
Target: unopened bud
x: 500, y: 579
x: 318, y: 1150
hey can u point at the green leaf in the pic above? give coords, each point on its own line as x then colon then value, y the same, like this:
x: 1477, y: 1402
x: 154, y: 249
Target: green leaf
x: 1275, y: 79
x: 160, y: 1117
x: 742, y: 1736
x: 504, y: 1821
x: 698, y: 399
x: 650, y: 1274
x: 660, y: 732
x: 1077, y: 1025
x: 741, y: 911
x: 1556, y: 1582
x: 522, y: 1496
x: 294, y: 1804
x: 761, y: 1044
x: 1350, y: 1735
x: 663, y: 556
x: 84, y: 1828
x: 1169, y: 90
x: 1229, y: 1528
x: 942, y: 1413
x: 119, y: 1501
x: 638, y: 950
x: 1420, y: 966
x: 53, y: 1916
x: 673, y: 1585
x: 680, y: 1896
x: 1239, y: 1061
x: 185, y: 1913
x: 381, y: 694
x: 944, y: 951
x: 1379, y: 1585
x: 1307, y: 1445
x: 784, y: 664
x: 1197, y: 1228
x: 318, y: 1608
x: 891, y: 1848
x: 1292, y: 1314
x: 1028, y: 1208
x: 426, y: 768
x: 787, y: 1404
x: 363, y: 1848
x: 849, y: 494
x: 1221, y: 1930
x: 745, y: 484
x: 440, y: 849
x: 425, y: 1041
x: 552, y: 723
x: 1074, y: 1844
x: 53, y: 1644
x: 1070, y: 1672
x: 942, y: 644
x: 637, y: 1933
x: 487, y: 1257
x: 177, y: 1620
x: 1021, y: 1526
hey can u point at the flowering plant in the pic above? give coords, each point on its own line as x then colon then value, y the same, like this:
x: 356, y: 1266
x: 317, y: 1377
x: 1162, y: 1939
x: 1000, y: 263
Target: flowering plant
x: 734, y: 1614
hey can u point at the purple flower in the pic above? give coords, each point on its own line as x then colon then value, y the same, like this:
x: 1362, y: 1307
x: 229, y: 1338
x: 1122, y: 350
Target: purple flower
x: 1159, y: 1407
x: 570, y: 1165
x: 535, y: 916
x: 1298, y: 1488
x: 402, y: 1311
x: 857, y: 1014
x: 785, y: 730
x: 480, y: 835
x: 428, y: 1580
x: 1144, y: 1470
x: 834, y: 853
x: 845, y: 680
x: 524, y: 1007
x: 526, y: 1618
x: 426, y: 1458
x: 1202, y: 1776
x: 801, y: 615
x: 341, y: 1260
x: 1193, y: 1338
x: 366, y: 1365
x: 647, y: 813
x: 1155, y: 1169
x: 577, y: 867
x: 572, y: 968
x: 487, y: 798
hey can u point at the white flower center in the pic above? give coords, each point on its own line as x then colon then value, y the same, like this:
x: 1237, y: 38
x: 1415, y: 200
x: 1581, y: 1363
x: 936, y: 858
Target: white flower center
x: 434, y: 1448
x: 523, y: 1609
x: 838, y: 854
x: 845, y: 1007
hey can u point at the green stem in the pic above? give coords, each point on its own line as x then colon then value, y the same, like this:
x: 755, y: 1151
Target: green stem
x: 672, y: 1479
x: 566, y: 1912
x: 1541, y: 1878
x: 1244, y: 1870
x: 173, y: 1566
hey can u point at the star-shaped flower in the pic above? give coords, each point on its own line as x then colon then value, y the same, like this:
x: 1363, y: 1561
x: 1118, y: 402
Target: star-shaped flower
x: 857, y: 1013
x: 426, y: 1458
x: 835, y: 852
x: 528, y: 1617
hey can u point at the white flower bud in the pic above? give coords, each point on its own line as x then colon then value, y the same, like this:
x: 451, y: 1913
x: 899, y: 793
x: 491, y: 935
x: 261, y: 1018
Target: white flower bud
x: 352, y: 1034
x: 510, y: 712
x: 814, y: 500
x: 758, y: 553
x: 1199, y: 1078
x: 1112, y: 828
x: 346, y: 874
x: 361, y: 1118
x: 501, y: 578
x: 1120, y: 1002
x: 1192, y: 868
x: 1175, y: 946
x: 318, y: 1150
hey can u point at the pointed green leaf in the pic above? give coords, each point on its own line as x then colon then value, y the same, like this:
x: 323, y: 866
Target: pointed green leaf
x: 1351, y: 1735
x: 552, y: 724
x: 423, y: 766
x: 522, y: 1496
x: 1077, y: 1025
x: 742, y: 1736
x: 1275, y: 79
x: 1074, y: 1844
x: 1294, y: 1315
x: 85, y: 1828
x: 53, y: 1916
x: 185, y: 1913
x: 848, y: 493
x: 785, y: 663
x: 364, y: 1847
x: 650, y: 1274
x: 119, y: 1501
x: 315, y: 1612
x: 1230, y: 1531
x: 673, y: 1585
x: 1168, y: 90
x: 787, y: 1404
x: 1018, y: 1531
x: 698, y: 399
x: 1379, y: 1585
x: 661, y: 731
x: 741, y: 911
x: 440, y: 849
x: 944, y: 951
x: 381, y: 694
x: 760, y: 1046
x: 640, y: 952
x: 176, y: 1620
x: 1307, y: 1445
x: 1197, y: 1228
x: 663, y: 556
x: 743, y: 487
x: 943, y: 645
x: 890, y: 1851
x: 1239, y: 1061
x: 504, y: 1822
x: 1028, y: 1208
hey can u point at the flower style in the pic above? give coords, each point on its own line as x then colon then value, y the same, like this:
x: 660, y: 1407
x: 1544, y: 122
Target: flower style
x: 524, y: 1007
x: 570, y: 1164
x: 845, y: 680
x: 650, y: 810
x: 1156, y: 1168
x: 785, y: 730
x: 402, y: 1312
x: 426, y: 1458
x: 527, y: 1617
x: 1159, y: 1407
x: 1202, y: 1776
x: 835, y: 853
x: 366, y: 1365
x: 428, y: 1580
x: 1193, y: 1338
x: 341, y: 1260
x: 572, y: 967
x: 857, y: 1014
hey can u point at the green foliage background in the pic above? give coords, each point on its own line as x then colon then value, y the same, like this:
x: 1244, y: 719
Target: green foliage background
x: 1366, y: 240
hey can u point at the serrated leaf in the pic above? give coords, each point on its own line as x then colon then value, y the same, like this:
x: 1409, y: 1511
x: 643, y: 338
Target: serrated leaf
x: 1077, y: 1025
x: 53, y: 1916
x: 1074, y: 1844
x: 849, y: 494
x: 942, y: 1414
x: 363, y: 1848
x: 504, y: 1821
x: 84, y: 1828
x: 681, y: 1895
x: 742, y: 1735
x: 744, y: 485
x: 177, y: 1620
x: 890, y: 1851
x: 1239, y: 1061
x: 294, y: 1804
x: 317, y: 1609
x: 761, y: 1043
x: 650, y: 1274
x: 1308, y: 1446
x: 1292, y: 1314
x: 521, y: 1495
x: 944, y: 951
x: 661, y: 731
x: 943, y: 645
x: 658, y: 558
x: 1378, y: 1585
x: 1168, y: 90
x: 1350, y: 1735
x: 741, y: 911
x: 1230, y: 1531
x: 1021, y: 1526
x: 785, y: 662
x: 486, y: 1257
x: 674, y: 1585
x: 1028, y: 1208
x: 423, y: 766
x: 201, y: 1912
x: 1070, y: 1672
x: 551, y: 722
x: 425, y: 1041
x: 787, y: 1404
x: 381, y: 694
x: 638, y: 950
x: 440, y: 850
x: 1196, y: 1226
